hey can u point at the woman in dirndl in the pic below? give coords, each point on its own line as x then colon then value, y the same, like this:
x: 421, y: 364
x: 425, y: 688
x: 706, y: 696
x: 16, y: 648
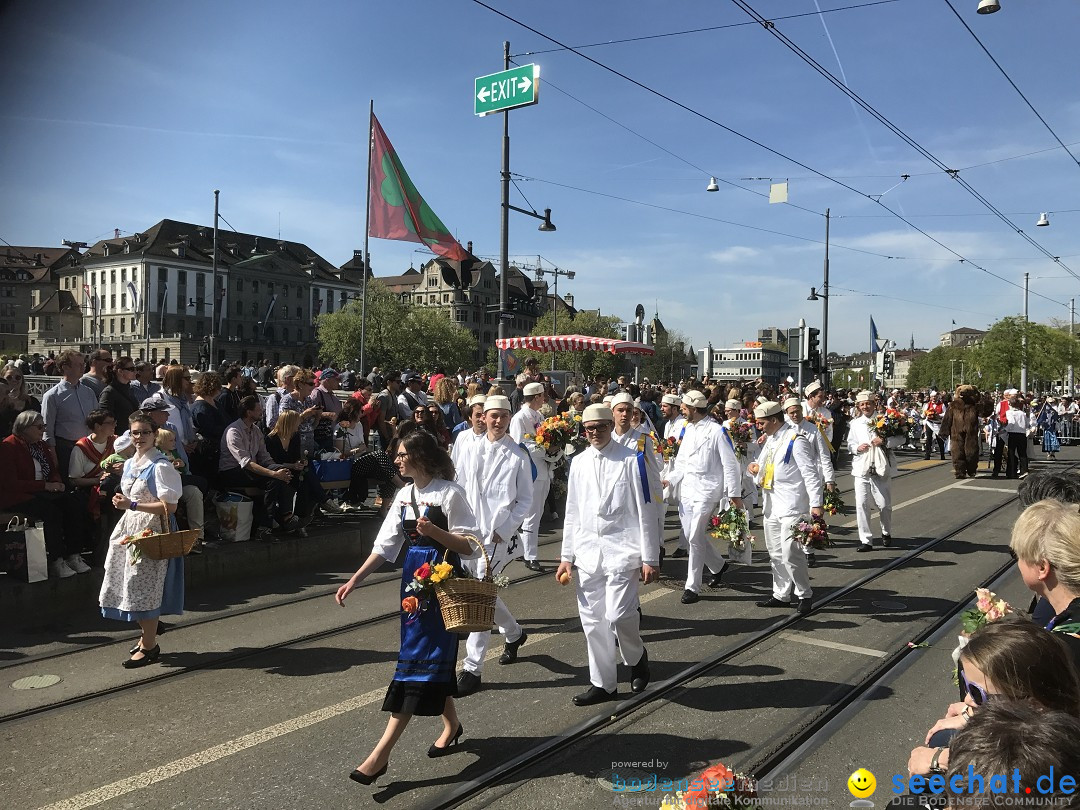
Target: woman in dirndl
x: 1048, y: 421
x: 142, y: 591
x: 433, y: 520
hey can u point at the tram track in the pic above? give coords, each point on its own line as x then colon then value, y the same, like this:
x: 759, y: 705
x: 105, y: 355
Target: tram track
x: 517, y: 766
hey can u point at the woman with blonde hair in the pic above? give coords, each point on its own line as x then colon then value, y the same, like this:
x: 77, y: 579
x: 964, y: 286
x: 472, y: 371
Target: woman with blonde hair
x: 16, y: 400
x: 283, y: 445
x: 445, y: 394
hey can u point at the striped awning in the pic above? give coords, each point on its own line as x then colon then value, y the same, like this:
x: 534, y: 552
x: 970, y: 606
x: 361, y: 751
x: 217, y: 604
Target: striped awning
x: 573, y: 343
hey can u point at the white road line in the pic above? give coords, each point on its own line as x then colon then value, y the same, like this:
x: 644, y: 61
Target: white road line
x: 832, y: 645
x: 988, y: 489
x: 896, y: 507
x: 180, y: 766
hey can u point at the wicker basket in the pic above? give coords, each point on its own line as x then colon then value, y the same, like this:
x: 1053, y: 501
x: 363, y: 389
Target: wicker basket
x: 468, y: 605
x: 167, y: 545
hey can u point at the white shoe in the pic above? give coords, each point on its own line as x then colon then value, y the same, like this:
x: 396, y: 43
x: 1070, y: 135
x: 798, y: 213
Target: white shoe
x: 59, y: 569
x: 333, y: 506
x: 75, y: 563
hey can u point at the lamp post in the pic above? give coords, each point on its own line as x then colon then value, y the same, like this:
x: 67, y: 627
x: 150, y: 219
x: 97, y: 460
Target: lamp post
x: 214, y: 288
x: 802, y: 349
x: 823, y: 294
x: 952, y: 374
x: 555, y: 297
x: 1024, y: 342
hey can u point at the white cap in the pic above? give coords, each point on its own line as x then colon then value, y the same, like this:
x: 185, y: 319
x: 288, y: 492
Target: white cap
x: 733, y: 405
x: 496, y: 403
x: 532, y: 389
x: 670, y: 399
x: 791, y: 402
x: 622, y: 398
x: 812, y: 388
x: 608, y: 398
x: 865, y: 396
x: 767, y: 409
x: 477, y: 399
x: 597, y: 413
x: 695, y: 399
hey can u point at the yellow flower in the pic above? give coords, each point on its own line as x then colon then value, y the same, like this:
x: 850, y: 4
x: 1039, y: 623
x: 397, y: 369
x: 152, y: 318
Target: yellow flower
x: 442, y: 571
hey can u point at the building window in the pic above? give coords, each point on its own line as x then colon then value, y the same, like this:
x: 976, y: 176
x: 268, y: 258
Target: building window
x: 254, y: 286
x: 123, y: 274
x: 112, y: 326
x: 330, y: 302
x: 433, y: 281
x: 284, y: 290
x: 270, y: 287
x: 300, y: 312
x: 240, y: 285
x: 112, y: 301
x: 122, y: 320
x: 112, y: 276
x: 239, y: 307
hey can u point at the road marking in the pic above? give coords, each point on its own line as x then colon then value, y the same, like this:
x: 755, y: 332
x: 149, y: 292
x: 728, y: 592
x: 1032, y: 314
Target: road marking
x: 923, y: 464
x: 832, y: 645
x: 988, y: 489
x: 851, y: 524
x: 208, y: 756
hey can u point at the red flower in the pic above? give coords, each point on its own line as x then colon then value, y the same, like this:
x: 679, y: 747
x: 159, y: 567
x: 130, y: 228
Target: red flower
x: 719, y: 777
x: 410, y: 604
x: 423, y: 572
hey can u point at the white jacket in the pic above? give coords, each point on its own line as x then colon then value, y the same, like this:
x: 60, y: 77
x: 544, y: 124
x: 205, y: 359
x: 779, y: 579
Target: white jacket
x: 706, y: 469
x: 497, y: 479
x: 819, y: 450
x: 526, y: 421
x: 607, y: 527
x: 631, y: 440
x: 796, y: 484
x: 859, y: 433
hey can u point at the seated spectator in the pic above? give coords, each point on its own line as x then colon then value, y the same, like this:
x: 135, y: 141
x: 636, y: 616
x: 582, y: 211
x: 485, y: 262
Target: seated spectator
x: 1011, y: 659
x: 1046, y: 541
x: 1008, y: 737
x: 323, y: 397
x: 368, y: 465
x: 30, y: 484
x: 14, y: 399
x: 210, y: 423
x: 85, y: 472
x: 283, y: 444
x: 246, y: 463
x: 165, y: 441
x: 176, y: 394
x: 303, y: 382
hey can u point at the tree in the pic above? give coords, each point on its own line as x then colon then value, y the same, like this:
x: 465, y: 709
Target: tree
x: 669, y: 359
x: 937, y: 369
x: 397, y: 334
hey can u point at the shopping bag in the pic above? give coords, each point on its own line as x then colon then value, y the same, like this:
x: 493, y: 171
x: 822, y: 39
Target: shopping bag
x: 336, y: 471
x: 235, y: 515
x: 23, y: 551
x: 741, y: 556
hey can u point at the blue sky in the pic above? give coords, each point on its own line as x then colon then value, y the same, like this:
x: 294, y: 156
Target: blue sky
x: 116, y: 115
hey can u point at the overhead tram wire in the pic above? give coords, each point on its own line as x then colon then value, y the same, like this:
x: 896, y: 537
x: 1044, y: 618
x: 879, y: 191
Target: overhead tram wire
x: 700, y: 30
x: 1008, y: 78
x: 759, y: 144
x: 896, y: 130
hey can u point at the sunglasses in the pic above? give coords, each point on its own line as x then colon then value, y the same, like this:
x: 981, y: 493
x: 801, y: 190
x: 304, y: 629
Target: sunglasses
x: 978, y: 694
x: 420, y: 411
x: 596, y: 428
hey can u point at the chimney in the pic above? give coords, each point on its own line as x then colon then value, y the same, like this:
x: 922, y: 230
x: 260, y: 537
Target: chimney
x: 569, y: 299
x: 39, y: 259
x: 255, y: 249
x: 358, y: 255
x: 468, y: 246
x: 116, y: 233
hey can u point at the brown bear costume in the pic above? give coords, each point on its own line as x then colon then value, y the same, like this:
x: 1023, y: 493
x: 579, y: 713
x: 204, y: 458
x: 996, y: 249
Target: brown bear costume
x: 961, y: 425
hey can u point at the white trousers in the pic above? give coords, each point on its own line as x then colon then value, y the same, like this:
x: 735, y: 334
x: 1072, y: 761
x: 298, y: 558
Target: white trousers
x: 192, y: 498
x: 788, y: 560
x: 477, y: 643
x: 530, y: 526
x: 878, y: 489
x: 607, y: 605
x: 694, y: 517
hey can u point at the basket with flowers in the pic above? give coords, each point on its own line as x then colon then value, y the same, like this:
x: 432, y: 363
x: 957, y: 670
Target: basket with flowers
x: 553, y: 434
x: 466, y: 604
x: 131, y: 541
x: 811, y: 532
x: 833, y: 503
x: 742, y: 434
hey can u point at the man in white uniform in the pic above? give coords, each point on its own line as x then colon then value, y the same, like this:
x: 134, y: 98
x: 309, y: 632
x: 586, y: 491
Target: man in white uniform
x: 732, y: 409
x: 791, y: 488
x: 814, y: 409
x: 871, y: 470
x: 524, y: 424
x: 674, y: 427
x: 611, y: 538
x: 706, y: 472
x: 477, y: 428
x: 820, y: 451
x: 639, y: 440
x: 497, y: 478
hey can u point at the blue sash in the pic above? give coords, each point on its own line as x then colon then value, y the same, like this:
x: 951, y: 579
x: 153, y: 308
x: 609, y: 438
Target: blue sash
x: 529, y: 456
x: 790, y: 446
x: 642, y: 472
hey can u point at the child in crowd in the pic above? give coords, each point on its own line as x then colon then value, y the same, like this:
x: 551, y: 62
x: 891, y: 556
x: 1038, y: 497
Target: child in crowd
x: 166, y: 443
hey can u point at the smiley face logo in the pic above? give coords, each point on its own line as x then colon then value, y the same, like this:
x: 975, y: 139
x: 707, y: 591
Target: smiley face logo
x: 862, y: 784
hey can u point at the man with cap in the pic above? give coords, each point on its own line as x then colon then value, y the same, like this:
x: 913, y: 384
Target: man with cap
x: 791, y: 486
x: 732, y: 411
x: 820, y: 451
x: 707, y: 473
x: 522, y: 430
x: 870, y: 470
x: 638, y: 439
x: 412, y: 396
x: 472, y: 429
x: 612, y: 540
x: 815, y: 411
x: 674, y: 426
x: 496, y: 475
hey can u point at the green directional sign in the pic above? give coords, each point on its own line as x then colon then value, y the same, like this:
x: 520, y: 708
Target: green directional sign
x: 506, y: 89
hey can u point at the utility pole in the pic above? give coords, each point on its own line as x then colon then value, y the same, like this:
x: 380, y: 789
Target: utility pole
x: 1072, y: 320
x: 802, y: 350
x: 1024, y: 343
x: 825, y: 315
x: 214, y: 290
x: 504, y: 225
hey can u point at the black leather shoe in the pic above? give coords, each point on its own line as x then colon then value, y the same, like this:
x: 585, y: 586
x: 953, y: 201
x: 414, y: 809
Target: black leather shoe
x: 510, y: 649
x: 435, y: 751
x: 864, y: 547
x: 772, y: 601
x: 679, y: 553
x: 811, y: 561
x: 361, y: 777
x: 467, y: 683
x: 149, y: 657
x: 689, y: 597
x: 639, y: 674
x: 533, y: 565
x: 595, y: 695
x: 805, y: 606
x: 717, y: 579
x: 886, y: 539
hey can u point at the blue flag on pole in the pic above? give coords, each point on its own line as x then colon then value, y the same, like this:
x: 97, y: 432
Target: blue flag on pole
x: 873, y: 336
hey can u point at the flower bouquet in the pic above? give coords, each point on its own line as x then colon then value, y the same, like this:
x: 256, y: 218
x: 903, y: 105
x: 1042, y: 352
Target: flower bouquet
x: 421, y: 589
x: 891, y: 423
x: 733, y: 526
x: 833, y: 504
x: 741, y: 435
x: 988, y: 608
x: 553, y: 434
x: 716, y: 787
x: 669, y: 448
x: 577, y: 438
x: 134, y: 552
x: 811, y: 533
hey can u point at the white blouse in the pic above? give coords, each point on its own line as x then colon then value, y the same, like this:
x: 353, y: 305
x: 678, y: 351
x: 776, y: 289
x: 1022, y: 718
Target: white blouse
x: 166, y: 477
x: 445, y: 494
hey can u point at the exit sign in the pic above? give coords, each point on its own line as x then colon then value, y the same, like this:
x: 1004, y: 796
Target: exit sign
x: 506, y: 90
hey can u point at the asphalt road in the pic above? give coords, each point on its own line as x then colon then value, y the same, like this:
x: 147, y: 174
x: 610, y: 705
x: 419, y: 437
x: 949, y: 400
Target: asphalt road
x: 230, y: 723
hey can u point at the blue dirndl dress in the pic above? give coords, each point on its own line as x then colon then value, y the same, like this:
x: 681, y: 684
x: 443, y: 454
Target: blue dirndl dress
x: 1048, y: 421
x: 425, y: 673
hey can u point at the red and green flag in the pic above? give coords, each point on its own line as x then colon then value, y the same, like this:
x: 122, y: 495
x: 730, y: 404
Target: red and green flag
x: 397, y: 211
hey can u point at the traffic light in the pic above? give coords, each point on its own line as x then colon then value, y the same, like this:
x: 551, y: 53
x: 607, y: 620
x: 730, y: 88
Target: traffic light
x: 813, y: 353
x: 888, y: 366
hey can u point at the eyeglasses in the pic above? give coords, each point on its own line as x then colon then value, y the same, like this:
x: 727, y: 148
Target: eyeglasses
x: 135, y: 434
x: 977, y: 693
x: 401, y: 456
x: 597, y: 428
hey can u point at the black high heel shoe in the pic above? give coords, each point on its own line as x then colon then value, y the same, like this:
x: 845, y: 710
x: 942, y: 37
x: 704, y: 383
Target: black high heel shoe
x: 435, y: 751
x: 149, y: 657
x: 361, y: 777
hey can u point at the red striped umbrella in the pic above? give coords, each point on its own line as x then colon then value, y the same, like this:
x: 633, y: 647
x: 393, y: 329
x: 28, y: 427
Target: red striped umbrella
x: 573, y: 343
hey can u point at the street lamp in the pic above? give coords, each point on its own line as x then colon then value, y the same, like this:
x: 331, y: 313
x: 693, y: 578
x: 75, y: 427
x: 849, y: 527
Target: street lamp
x: 555, y: 298
x: 823, y: 294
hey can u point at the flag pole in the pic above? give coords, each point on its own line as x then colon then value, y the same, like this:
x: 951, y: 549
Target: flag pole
x: 146, y: 311
x: 367, y: 227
